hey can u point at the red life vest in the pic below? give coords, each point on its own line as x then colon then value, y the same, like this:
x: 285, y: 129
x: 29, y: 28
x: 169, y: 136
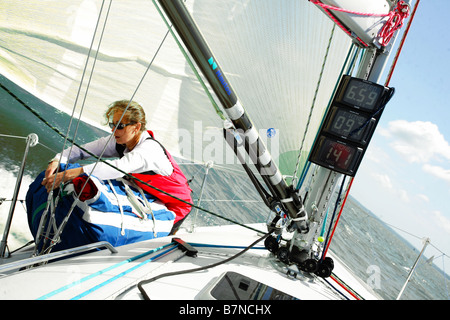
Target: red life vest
x: 175, y: 184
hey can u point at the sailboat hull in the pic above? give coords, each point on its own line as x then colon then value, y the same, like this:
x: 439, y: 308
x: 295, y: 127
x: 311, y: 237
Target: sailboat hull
x: 106, y: 275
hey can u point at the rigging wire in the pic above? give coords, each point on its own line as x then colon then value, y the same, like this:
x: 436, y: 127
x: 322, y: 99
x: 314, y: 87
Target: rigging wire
x: 123, y: 114
x: 325, y: 59
x: 137, y: 87
x: 306, y: 168
x: 50, y: 196
x: 91, y: 75
x: 80, y: 86
x: 338, y: 217
x: 51, y: 222
x: 24, y: 138
x: 310, y: 109
x: 329, y: 235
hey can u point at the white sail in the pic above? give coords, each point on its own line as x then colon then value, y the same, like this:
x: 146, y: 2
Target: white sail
x: 272, y: 53
x: 282, y: 58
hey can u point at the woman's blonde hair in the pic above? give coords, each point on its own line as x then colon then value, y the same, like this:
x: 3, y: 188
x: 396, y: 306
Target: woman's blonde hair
x: 135, y: 113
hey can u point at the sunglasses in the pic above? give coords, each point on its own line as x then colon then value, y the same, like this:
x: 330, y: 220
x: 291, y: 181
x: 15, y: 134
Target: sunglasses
x: 120, y: 126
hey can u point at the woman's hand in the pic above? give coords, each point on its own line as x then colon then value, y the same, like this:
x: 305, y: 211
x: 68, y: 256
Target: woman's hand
x: 51, y: 179
x: 51, y: 169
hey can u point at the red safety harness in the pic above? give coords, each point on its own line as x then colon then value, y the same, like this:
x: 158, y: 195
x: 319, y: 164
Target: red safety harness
x: 175, y: 184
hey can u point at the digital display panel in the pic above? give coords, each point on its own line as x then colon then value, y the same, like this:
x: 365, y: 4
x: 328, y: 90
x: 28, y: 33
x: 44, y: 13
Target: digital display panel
x: 362, y: 94
x: 349, y: 124
x: 336, y: 155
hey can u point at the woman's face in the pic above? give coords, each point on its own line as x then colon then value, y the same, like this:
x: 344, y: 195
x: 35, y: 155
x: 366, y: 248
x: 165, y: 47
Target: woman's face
x: 128, y: 133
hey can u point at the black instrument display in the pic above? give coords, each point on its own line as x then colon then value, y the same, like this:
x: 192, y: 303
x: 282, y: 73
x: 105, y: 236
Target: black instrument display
x: 349, y: 124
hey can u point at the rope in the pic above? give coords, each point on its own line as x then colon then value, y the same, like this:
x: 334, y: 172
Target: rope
x: 50, y: 195
x: 169, y: 274
x: 336, y: 21
x: 59, y: 231
x: 120, y: 275
x: 313, y: 104
x: 103, y: 271
x: 326, y: 6
x: 346, y: 287
x: 125, y: 173
x: 394, y: 63
x: 393, y: 23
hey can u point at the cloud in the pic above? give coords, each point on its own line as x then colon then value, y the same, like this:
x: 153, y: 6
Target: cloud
x: 387, y: 184
x: 437, y: 171
x: 442, y: 220
x: 417, y: 142
x: 383, y: 179
x: 403, y: 194
x: 424, y: 197
x: 420, y: 142
x: 376, y: 154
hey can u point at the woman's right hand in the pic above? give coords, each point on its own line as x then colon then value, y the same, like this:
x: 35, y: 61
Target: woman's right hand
x: 51, y: 168
x: 53, y: 181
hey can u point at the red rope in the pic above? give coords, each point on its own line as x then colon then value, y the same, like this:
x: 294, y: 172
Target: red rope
x: 339, y: 215
x: 394, y: 63
x: 347, y: 31
x: 394, y: 22
x: 326, y: 6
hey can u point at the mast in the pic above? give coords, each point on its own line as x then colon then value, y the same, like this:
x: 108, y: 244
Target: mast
x: 326, y: 179
x: 283, y: 197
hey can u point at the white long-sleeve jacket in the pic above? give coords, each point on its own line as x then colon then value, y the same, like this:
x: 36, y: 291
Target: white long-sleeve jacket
x: 147, y: 155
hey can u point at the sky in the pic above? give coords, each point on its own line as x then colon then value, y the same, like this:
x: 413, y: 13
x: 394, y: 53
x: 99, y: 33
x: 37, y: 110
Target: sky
x: 404, y: 178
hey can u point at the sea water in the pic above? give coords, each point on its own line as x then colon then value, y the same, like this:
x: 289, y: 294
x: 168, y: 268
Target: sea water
x: 373, y: 251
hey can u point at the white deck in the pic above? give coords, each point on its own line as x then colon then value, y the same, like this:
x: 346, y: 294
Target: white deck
x: 106, y: 275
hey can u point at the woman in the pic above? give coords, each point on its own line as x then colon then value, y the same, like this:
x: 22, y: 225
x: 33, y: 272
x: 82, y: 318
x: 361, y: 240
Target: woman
x: 139, y: 154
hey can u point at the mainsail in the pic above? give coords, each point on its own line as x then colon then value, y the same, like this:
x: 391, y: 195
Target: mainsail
x: 272, y: 52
